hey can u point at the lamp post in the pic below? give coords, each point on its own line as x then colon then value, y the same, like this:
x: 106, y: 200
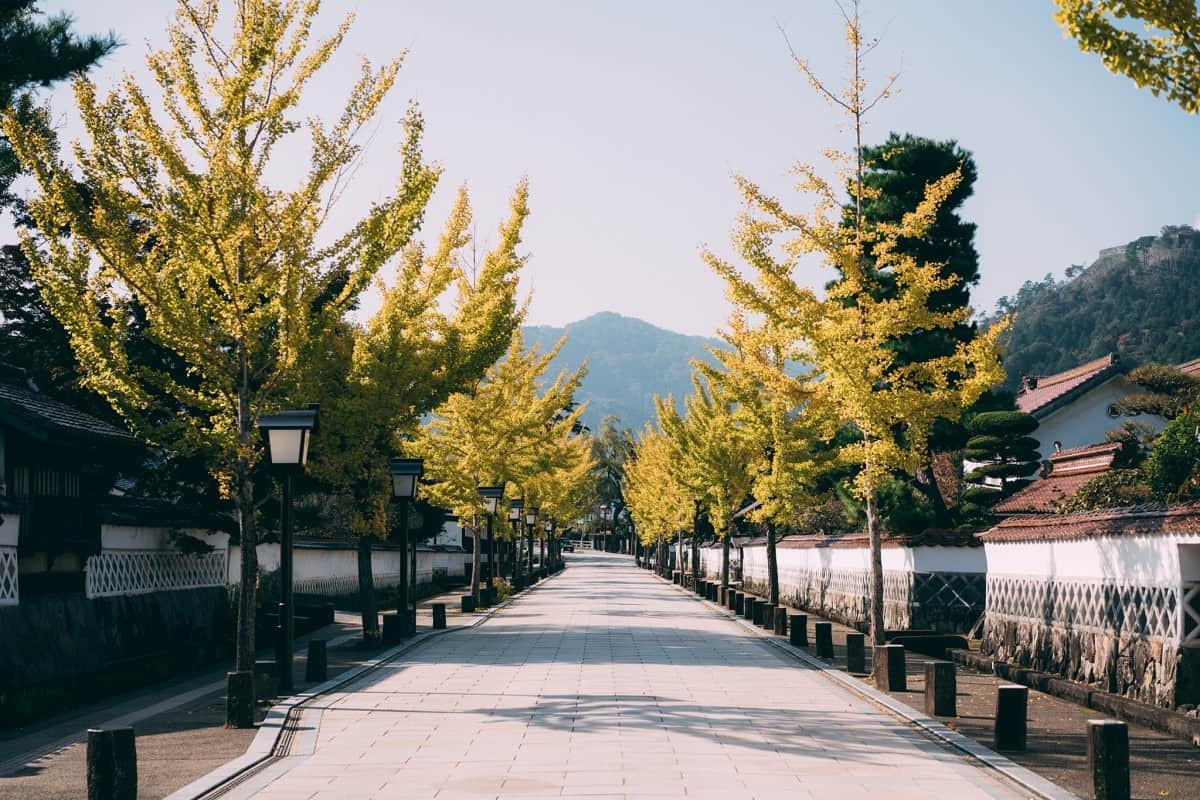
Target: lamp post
x: 288, y: 434
x: 406, y: 474
x: 516, y: 506
x: 491, y: 496
x: 546, y: 543
x: 530, y: 525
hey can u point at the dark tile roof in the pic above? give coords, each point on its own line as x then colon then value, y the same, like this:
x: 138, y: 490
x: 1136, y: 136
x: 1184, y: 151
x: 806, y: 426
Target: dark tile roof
x: 932, y: 537
x: 26, y: 409
x: 119, y: 510
x: 1041, y: 395
x: 1132, y: 521
x: 1069, y: 470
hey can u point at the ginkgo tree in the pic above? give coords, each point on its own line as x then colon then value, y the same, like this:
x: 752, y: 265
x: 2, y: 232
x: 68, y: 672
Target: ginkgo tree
x: 496, y: 434
x: 719, y: 455
x: 1164, y: 56
x: 168, y: 200
x: 660, y: 505
x: 760, y: 372
x: 417, y: 349
x: 847, y: 333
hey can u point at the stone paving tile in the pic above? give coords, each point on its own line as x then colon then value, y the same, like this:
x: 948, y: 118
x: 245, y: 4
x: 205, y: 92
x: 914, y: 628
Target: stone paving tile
x: 607, y: 683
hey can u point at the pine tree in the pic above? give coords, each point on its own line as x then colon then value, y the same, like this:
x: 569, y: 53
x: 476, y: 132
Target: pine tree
x: 1002, y: 447
x: 37, y: 51
x: 237, y: 278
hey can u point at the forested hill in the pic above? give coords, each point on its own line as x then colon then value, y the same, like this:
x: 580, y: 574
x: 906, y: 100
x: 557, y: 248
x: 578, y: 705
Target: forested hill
x: 629, y: 361
x: 1141, y: 300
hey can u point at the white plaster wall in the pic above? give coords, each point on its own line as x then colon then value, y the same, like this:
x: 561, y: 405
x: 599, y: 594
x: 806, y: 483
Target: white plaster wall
x: 1086, y: 420
x: 342, y: 562
x: 1136, y: 560
x: 10, y: 527
x: 948, y: 559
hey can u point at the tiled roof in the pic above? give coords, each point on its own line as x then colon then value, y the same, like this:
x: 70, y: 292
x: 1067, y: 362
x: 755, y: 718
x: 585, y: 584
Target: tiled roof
x: 1191, y: 367
x: 1069, y: 470
x: 1051, y: 391
x: 40, y: 411
x: 1132, y: 521
x: 928, y: 538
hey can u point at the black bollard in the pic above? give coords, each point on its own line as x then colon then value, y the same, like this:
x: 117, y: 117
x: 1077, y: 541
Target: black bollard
x: 439, y: 616
x: 798, y: 630
x: 111, y: 764
x: 468, y: 603
x: 856, y: 655
x: 824, y: 632
x: 1012, y: 702
x: 316, y: 666
x: 393, y: 629
x: 748, y: 607
x: 781, y: 619
x: 941, y: 689
x: 739, y: 603
x: 239, y: 699
x: 1108, y: 759
x: 731, y: 599
x: 760, y: 607
x: 889, y: 668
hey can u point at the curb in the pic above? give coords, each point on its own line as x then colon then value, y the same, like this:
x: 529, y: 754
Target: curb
x: 986, y: 757
x: 276, y: 732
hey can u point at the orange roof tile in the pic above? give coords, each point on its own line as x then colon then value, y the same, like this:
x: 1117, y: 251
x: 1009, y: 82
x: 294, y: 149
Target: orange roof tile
x: 1046, y: 390
x: 1132, y: 521
x: 1069, y: 470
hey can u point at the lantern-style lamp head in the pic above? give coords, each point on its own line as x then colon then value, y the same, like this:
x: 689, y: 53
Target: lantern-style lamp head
x: 491, y: 497
x: 405, y: 473
x: 531, y: 516
x: 288, y: 434
x: 514, y: 509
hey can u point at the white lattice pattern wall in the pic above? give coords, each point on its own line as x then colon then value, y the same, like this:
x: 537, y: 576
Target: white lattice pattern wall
x: 1150, y: 612
x: 124, y: 572
x: 344, y: 585
x: 8, y: 576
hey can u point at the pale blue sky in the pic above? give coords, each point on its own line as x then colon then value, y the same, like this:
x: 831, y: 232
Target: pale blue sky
x: 629, y: 118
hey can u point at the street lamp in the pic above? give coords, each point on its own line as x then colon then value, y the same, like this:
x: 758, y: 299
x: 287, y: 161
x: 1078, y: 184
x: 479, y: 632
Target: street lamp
x: 516, y: 506
x: 288, y: 434
x: 406, y: 474
x: 491, y: 496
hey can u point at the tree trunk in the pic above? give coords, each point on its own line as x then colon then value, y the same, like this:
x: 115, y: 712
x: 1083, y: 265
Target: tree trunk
x: 926, y: 483
x: 876, y: 573
x: 772, y: 566
x: 244, y: 500
x: 696, y: 544
x: 366, y: 590
x: 726, y: 544
x: 476, y: 546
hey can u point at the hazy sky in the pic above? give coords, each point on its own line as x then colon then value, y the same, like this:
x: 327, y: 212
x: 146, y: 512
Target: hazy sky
x: 630, y: 117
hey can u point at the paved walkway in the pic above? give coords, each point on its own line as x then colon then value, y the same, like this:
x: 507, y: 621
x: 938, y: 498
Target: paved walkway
x: 607, y: 682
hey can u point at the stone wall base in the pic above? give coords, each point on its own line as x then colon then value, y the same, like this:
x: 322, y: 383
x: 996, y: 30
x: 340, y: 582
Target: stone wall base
x: 1147, y: 670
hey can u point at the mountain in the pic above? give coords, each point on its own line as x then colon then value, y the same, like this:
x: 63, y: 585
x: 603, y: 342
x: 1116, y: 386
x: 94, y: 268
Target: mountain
x: 629, y: 361
x: 1140, y: 300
